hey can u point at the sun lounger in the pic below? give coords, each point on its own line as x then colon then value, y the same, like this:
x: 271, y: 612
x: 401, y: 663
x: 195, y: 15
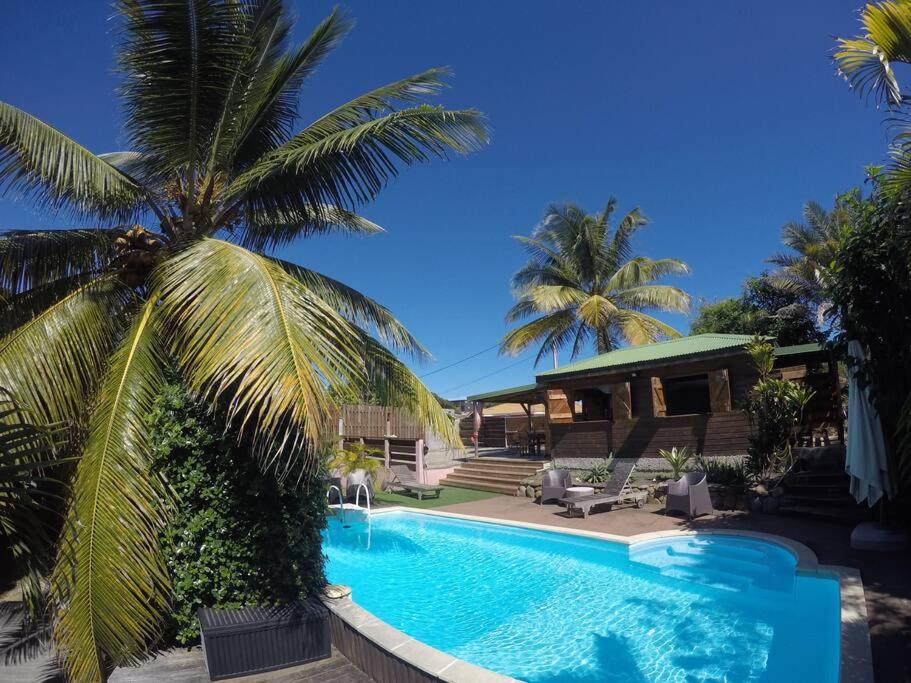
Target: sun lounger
x: 615, y: 491
x: 403, y: 478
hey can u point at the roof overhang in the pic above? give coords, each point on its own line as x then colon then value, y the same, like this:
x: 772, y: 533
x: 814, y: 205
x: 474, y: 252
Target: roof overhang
x: 527, y: 393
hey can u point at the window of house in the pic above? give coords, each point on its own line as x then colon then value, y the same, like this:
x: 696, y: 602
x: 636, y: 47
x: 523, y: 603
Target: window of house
x: 687, y: 395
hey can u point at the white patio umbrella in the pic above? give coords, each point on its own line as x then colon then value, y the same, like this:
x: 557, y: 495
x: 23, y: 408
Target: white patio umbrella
x: 866, y: 460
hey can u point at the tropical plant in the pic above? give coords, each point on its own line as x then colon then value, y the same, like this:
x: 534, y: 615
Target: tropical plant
x: 813, y: 246
x: 583, y: 283
x: 356, y: 456
x: 723, y: 472
x: 870, y: 287
x: 210, y: 92
x: 600, y: 471
x: 238, y: 537
x: 775, y: 408
x: 763, y: 308
x: 677, y: 459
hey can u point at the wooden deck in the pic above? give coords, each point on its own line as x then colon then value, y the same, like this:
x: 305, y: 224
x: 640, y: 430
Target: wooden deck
x: 187, y: 666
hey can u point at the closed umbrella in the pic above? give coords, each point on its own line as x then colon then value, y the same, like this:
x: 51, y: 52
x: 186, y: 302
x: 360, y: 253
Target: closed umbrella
x: 866, y: 461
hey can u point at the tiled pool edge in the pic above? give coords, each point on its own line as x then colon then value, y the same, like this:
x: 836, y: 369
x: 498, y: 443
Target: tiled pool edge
x: 388, y: 655
x: 855, y: 664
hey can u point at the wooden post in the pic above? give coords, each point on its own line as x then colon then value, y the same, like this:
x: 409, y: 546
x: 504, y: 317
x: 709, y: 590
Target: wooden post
x: 659, y: 409
x: 527, y: 408
x: 419, y: 460
x: 387, y: 450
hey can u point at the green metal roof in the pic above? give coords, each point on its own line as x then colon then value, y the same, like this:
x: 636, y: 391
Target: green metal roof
x: 504, y: 394
x: 797, y: 349
x: 648, y: 353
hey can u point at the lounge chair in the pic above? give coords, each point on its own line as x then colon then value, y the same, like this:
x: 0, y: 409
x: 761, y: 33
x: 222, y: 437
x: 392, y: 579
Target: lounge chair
x: 690, y: 495
x: 354, y: 480
x: 403, y: 478
x: 615, y: 491
x: 554, y: 484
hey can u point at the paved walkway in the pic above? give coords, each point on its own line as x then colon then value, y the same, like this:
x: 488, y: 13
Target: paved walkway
x: 887, y: 577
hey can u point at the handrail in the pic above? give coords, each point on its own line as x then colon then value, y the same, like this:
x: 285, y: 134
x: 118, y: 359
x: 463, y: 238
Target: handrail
x: 357, y: 495
x: 341, y: 499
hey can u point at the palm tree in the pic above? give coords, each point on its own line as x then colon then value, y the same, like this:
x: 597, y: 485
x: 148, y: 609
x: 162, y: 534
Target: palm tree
x: 584, y: 283
x: 866, y: 61
x: 178, y: 273
x: 814, y: 246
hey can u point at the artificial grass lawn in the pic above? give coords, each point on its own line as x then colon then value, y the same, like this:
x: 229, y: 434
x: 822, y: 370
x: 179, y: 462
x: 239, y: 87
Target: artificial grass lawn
x: 448, y: 496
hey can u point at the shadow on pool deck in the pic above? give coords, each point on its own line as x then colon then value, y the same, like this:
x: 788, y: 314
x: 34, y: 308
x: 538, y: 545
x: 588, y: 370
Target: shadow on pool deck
x: 886, y: 577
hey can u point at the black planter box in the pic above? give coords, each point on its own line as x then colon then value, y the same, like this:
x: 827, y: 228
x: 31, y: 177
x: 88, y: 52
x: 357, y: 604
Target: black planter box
x: 238, y: 642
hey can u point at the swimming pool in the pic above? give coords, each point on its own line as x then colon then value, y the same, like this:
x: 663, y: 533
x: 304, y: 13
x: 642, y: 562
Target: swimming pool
x: 546, y: 606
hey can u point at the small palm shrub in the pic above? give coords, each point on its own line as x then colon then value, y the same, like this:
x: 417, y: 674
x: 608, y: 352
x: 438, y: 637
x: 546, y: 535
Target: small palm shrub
x: 356, y: 456
x: 600, y: 471
x: 677, y: 459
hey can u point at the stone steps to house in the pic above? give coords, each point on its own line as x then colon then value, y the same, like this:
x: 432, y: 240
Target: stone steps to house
x: 498, y: 475
x: 477, y: 467
x: 821, y: 494
x: 840, y: 514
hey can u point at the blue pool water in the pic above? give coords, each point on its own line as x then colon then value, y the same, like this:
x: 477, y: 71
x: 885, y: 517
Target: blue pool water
x: 547, y: 607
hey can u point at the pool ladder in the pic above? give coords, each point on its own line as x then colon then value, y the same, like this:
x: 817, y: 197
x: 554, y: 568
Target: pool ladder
x: 341, y: 500
x: 357, y: 496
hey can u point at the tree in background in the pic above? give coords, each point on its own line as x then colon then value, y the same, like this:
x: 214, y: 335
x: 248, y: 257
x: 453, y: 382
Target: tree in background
x: 762, y: 309
x: 583, y: 283
x: 813, y: 246
x: 95, y: 316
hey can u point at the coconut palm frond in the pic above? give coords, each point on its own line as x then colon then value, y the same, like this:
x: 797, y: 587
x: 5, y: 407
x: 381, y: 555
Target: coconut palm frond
x: 395, y: 385
x: 543, y: 329
x: 40, y: 162
x: 358, y: 308
x: 179, y: 61
x: 658, y: 297
x: 865, y: 61
x: 639, y: 328
x: 245, y: 331
x: 75, y: 336
x: 641, y: 271
x: 27, y: 492
x: 110, y: 584
x: 550, y: 298
x: 30, y: 258
x: 350, y: 166
x: 269, y: 230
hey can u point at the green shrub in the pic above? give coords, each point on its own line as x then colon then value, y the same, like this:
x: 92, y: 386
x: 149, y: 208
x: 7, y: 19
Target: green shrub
x: 775, y: 408
x: 723, y: 472
x: 357, y: 456
x: 677, y: 459
x: 236, y: 536
x: 599, y: 472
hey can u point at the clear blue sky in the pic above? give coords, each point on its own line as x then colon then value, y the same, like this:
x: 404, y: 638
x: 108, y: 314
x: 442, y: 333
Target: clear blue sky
x: 718, y: 118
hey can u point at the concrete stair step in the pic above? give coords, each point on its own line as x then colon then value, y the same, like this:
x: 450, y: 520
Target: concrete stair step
x: 817, y: 498
x: 832, y: 513
x: 506, y: 489
x: 501, y: 465
x: 495, y: 472
x: 497, y: 479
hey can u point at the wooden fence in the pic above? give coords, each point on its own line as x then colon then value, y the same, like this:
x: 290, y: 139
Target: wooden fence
x: 378, y: 422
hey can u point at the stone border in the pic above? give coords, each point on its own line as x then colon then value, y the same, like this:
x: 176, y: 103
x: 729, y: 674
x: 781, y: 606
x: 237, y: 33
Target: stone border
x: 855, y: 661
x: 389, y: 655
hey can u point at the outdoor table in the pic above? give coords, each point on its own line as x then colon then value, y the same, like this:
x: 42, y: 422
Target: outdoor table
x: 579, y: 491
